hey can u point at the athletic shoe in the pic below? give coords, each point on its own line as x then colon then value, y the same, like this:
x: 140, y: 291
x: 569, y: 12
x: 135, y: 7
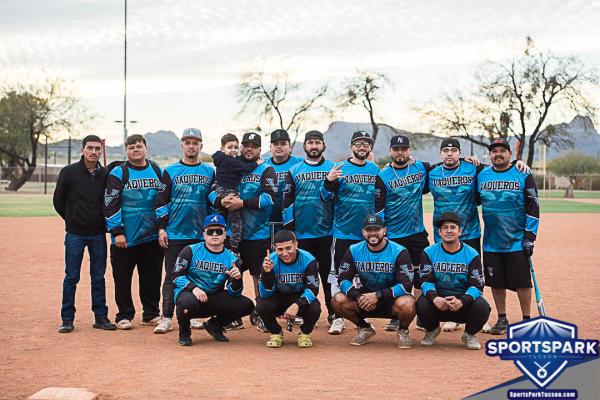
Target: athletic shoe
x: 215, y: 331
x: 164, y: 326
x: 104, y: 324
x: 451, y: 326
x: 234, y: 325
x: 66, y: 327
x: 500, y: 327
x: 304, y: 340
x: 275, y: 341
x: 363, y: 335
x: 430, y: 336
x: 330, y: 319
x: 260, y: 326
x: 470, y: 341
x: 153, y: 321
x: 254, y: 318
x: 404, y: 341
x: 337, y: 326
x: 298, y: 321
x: 393, y: 325
x: 486, y: 328
x: 124, y: 324
x: 196, y: 324
x: 185, y: 340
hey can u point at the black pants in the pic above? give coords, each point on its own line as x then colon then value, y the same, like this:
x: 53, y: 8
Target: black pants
x: 171, y: 254
x: 340, y: 246
x: 220, y: 306
x: 320, y: 248
x: 149, y: 259
x: 272, y: 307
x: 474, y: 314
x: 475, y: 244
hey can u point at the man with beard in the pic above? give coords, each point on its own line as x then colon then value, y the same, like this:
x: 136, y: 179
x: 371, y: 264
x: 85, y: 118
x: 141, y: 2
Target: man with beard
x: 386, y: 273
x: 180, y: 210
x: 351, y: 185
x: 509, y: 202
x: 399, y: 190
x: 257, y: 195
x: 306, y: 213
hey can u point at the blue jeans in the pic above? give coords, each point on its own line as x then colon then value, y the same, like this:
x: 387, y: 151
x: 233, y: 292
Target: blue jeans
x: 74, y: 247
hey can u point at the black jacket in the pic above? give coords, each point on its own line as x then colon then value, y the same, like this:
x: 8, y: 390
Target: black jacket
x: 79, y: 197
x: 230, y: 169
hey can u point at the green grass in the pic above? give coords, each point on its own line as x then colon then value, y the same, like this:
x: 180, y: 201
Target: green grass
x: 579, y: 194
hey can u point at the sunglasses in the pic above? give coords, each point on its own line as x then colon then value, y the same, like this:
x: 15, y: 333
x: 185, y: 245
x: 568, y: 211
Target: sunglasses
x: 215, y: 231
x: 361, y: 144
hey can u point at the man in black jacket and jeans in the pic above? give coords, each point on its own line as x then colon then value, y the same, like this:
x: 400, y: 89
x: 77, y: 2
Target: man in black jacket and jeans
x: 78, y: 198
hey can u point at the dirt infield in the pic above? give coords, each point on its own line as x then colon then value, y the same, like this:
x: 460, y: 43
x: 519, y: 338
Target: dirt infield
x: 140, y: 365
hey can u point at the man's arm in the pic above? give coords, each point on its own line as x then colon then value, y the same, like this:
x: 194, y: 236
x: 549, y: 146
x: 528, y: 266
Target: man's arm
x: 112, y: 205
x: 403, y: 272
x: 266, y: 281
x: 60, y: 193
x: 235, y: 286
x: 289, y: 198
x: 346, y: 277
x: 532, y: 208
x: 476, y: 281
x: 163, y: 201
x: 380, y: 195
x: 268, y: 191
x: 182, y: 265
x: 427, y: 277
x: 311, y: 280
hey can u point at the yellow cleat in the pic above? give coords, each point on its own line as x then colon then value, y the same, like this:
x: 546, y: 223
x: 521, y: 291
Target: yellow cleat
x: 304, y: 340
x: 276, y: 340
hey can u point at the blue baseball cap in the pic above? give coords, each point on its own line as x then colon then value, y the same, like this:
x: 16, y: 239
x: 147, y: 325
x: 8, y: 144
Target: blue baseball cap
x: 214, y: 219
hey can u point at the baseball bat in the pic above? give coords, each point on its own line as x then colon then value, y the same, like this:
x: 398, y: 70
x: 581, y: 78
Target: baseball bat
x: 538, y: 294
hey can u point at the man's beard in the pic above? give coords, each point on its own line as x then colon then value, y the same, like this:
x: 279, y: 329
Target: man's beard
x: 309, y: 154
x: 359, y: 156
x: 379, y: 240
x: 400, y: 160
x: 254, y: 158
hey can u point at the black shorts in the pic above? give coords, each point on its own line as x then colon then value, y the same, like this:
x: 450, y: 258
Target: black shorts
x: 415, y: 244
x: 383, y: 309
x: 506, y: 270
x: 253, y: 253
x: 474, y: 243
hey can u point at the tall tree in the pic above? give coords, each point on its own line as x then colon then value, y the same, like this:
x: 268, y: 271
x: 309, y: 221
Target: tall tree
x: 278, y: 100
x: 29, y: 113
x: 364, y: 89
x: 517, y: 98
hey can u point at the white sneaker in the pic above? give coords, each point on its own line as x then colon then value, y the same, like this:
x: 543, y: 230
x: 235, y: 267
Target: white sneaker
x: 153, y: 322
x: 124, y: 324
x: 451, y: 326
x: 363, y: 335
x: 470, y: 341
x: 337, y: 326
x: 486, y: 328
x: 196, y: 324
x: 164, y: 326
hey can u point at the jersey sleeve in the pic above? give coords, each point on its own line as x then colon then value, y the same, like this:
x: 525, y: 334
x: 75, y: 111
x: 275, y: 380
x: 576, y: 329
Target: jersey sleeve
x: 403, y: 273
x: 163, y: 201
x: 289, y: 198
x: 346, y: 277
x: 427, y: 277
x: 266, y: 282
x: 532, y: 208
x: 380, y: 195
x: 268, y: 191
x: 182, y: 265
x: 235, y: 286
x: 476, y: 281
x: 311, y: 280
x: 112, y: 205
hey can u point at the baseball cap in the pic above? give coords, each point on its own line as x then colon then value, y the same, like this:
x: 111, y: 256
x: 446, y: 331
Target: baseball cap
x: 361, y: 135
x: 251, y: 137
x: 191, y: 133
x: 373, y: 220
x: 214, y: 219
x: 450, y: 142
x: 279, y: 134
x: 448, y: 216
x: 499, y: 142
x: 399, y: 141
x: 313, y: 135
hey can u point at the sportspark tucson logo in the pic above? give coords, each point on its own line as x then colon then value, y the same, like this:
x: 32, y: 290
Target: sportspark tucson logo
x: 542, y: 348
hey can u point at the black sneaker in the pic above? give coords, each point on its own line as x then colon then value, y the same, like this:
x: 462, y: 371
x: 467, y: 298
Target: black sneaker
x: 254, y: 318
x: 234, y: 325
x: 105, y: 324
x: 66, y: 327
x: 500, y: 327
x: 215, y: 331
x: 393, y: 325
x: 330, y: 319
x: 185, y: 340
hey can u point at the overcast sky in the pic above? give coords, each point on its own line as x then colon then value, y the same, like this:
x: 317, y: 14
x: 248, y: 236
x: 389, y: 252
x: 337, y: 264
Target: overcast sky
x: 185, y: 57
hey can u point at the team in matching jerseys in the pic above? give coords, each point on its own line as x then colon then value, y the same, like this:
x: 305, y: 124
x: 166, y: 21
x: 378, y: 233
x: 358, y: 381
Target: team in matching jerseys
x: 348, y: 227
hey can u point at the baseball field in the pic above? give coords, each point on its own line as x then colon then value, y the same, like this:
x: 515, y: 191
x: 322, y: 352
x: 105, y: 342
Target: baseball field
x: 138, y: 364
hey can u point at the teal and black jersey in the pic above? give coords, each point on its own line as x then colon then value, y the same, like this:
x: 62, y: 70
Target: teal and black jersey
x: 258, y: 190
x: 129, y: 202
x: 456, y: 190
x: 185, y: 200
x: 398, y: 198
x: 305, y: 210
x: 511, y: 211
x: 300, y: 277
x: 281, y: 170
x: 457, y: 274
x: 354, y: 198
x: 199, y: 267
x: 388, y: 271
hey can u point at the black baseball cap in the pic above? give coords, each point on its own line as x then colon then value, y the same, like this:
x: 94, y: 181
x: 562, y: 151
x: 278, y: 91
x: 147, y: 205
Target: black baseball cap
x: 448, y: 216
x: 361, y: 135
x: 373, y: 220
x: 399, y: 141
x: 450, y: 142
x: 499, y: 142
x: 279, y: 134
x: 316, y: 135
x: 251, y: 137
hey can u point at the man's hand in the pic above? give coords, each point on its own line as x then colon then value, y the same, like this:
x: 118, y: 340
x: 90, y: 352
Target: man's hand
x: 267, y: 263
x: 335, y: 173
x: 291, y: 312
x: 234, y: 272
x: 472, y: 160
x: 260, y: 161
x: 522, y: 167
x: 200, y: 295
x: 121, y: 241
x: 527, y: 247
x: 234, y: 204
x: 163, y: 238
x: 367, y: 301
x: 441, y: 303
x: 454, y: 303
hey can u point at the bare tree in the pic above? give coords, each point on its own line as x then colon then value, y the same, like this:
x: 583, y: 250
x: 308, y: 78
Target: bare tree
x: 364, y: 89
x: 278, y: 100
x: 515, y: 99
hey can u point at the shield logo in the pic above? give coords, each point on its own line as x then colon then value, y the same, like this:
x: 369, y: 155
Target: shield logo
x: 538, y: 367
